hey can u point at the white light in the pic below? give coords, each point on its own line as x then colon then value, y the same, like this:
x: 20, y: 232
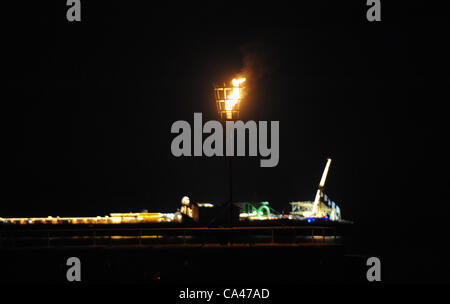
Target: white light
x: 325, y: 172
x: 206, y: 205
x: 185, y: 200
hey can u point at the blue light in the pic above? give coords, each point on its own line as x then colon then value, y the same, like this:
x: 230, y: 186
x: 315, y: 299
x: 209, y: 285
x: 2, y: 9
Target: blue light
x: 309, y: 220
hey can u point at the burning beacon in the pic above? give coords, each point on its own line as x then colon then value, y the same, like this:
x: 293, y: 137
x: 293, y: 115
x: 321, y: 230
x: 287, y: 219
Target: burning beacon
x: 228, y: 99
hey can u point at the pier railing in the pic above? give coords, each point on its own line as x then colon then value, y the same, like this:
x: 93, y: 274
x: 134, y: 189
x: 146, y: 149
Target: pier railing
x: 179, y: 236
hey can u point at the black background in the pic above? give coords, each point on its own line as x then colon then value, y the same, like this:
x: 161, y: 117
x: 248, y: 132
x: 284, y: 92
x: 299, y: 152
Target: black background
x: 91, y: 103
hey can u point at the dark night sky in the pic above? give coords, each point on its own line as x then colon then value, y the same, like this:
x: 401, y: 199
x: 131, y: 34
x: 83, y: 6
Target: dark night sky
x: 88, y: 122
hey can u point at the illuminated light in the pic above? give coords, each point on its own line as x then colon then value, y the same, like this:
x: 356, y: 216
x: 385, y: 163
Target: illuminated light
x: 325, y: 173
x: 309, y: 220
x: 187, y: 210
x: 208, y: 205
x: 185, y: 201
x: 232, y: 99
x: 170, y: 216
x: 237, y: 82
x: 123, y: 237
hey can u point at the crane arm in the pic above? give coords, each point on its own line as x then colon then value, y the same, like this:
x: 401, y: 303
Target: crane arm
x: 325, y: 173
x: 321, y: 185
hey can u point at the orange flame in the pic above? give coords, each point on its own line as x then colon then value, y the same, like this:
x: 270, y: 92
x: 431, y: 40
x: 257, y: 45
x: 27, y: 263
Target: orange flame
x: 235, y: 95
